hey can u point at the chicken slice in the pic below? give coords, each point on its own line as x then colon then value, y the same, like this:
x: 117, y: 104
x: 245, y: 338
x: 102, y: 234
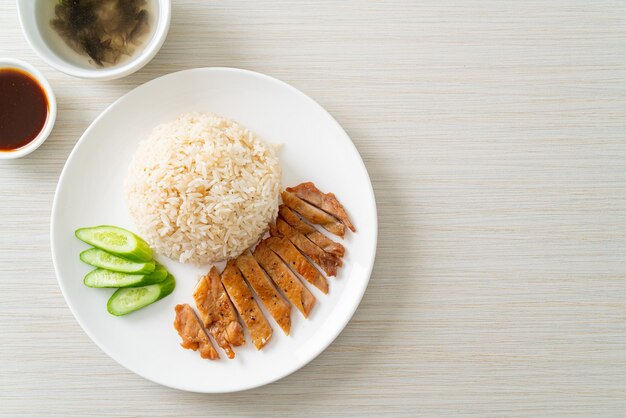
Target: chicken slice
x: 319, y: 239
x: 327, y: 262
x: 275, y: 304
x: 239, y: 292
x: 193, y: 333
x: 286, y: 281
x: 297, y: 262
x: 313, y: 214
x: 217, y: 312
x: 325, y: 201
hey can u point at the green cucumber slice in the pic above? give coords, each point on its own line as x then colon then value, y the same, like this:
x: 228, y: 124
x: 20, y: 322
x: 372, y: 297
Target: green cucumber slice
x: 127, y: 300
x: 159, y: 273
x: 100, y: 258
x: 106, y: 278
x: 117, y: 241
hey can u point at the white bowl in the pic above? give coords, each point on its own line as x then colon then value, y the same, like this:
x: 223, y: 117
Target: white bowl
x: 52, y: 108
x: 35, y: 17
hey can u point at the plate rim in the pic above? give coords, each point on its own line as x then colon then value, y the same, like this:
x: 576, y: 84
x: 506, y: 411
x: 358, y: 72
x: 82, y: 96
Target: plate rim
x: 328, y: 339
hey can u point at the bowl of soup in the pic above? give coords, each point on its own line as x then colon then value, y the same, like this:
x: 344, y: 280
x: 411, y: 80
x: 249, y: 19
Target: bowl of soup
x: 95, y: 39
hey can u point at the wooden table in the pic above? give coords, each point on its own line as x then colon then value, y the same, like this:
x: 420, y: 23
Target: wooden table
x: 495, y: 136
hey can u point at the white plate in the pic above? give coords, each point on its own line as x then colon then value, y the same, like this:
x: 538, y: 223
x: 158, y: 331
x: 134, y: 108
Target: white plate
x: 315, y: 148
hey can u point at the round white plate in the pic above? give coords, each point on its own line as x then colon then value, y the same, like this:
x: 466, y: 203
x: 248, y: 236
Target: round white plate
x: 314, y: 148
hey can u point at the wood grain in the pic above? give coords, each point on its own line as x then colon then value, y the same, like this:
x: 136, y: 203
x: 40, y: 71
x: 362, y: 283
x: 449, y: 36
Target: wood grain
x: 495, y: 136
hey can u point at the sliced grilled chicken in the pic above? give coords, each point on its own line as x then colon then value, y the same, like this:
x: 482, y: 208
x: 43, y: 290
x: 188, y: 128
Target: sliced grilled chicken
x: 327, y: 262
x: 297, y: 262
x: 286, y: 281
x: 193, y: 333
x: 275, y: 304
x: 319, y: 239
x: 217, y: 312
x: 313, y: 214
x: 239, y: 292
x: 325, y: 201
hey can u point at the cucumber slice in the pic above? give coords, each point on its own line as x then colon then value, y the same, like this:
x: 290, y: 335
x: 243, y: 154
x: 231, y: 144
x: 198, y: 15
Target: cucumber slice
x: 106, y: 278
x: 159, y: 273
x: 117, y: 241
x: 127, y: 300
x: 99, y: 258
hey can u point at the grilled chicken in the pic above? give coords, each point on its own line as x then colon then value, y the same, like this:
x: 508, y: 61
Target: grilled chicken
x: 193, y: 333
x: 327, y: 262
x: 311, y: 233
x: 275, y: 304
x: 239, y: 292
x: 313, y: 214
x: 286, y: 281
x: 325, y: 201
x: 217, y: 312
x: 297, y: 262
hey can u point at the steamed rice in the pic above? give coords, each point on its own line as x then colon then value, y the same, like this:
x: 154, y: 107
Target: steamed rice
x: 202, y: 189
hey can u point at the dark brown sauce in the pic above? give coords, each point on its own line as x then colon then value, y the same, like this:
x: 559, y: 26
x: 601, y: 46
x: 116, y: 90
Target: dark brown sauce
x: 23, y: 109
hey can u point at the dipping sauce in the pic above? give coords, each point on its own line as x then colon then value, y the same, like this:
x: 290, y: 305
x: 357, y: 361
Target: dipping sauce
x: 23, y: 109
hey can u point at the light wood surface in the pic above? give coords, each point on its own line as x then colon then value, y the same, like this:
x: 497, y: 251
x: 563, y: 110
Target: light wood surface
x: 495, y: 136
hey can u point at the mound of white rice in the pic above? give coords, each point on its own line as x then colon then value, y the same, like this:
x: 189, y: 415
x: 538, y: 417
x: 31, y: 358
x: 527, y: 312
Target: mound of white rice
x: 202, y: 188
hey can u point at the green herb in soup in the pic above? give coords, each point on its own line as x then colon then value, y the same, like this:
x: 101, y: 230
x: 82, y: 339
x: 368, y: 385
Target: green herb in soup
x: 105, y: 30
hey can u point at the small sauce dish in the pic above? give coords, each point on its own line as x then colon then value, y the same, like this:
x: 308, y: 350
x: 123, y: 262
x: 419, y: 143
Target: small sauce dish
x: 36, y: 16
x: 29, y: 108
